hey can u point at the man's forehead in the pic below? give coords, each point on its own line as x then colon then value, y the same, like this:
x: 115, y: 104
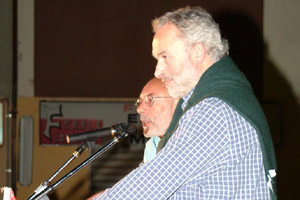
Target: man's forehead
x: 148, y: 91
x: 164, y: 37
x: 154, y: 88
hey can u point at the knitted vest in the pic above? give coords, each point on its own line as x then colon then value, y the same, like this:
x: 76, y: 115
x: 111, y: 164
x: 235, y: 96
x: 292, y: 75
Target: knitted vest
x: 225, y: 81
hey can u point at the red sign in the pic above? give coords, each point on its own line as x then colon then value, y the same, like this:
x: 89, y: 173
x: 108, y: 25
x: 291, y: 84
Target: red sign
x: 59, y: 119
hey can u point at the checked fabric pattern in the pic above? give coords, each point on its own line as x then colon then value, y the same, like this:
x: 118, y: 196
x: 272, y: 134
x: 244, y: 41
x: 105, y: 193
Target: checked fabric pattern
x: 214, y: 154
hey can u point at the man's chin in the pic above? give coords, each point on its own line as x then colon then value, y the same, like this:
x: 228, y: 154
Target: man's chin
x: 175, y: 93
x: 148, y: 134
x: 145, y: 132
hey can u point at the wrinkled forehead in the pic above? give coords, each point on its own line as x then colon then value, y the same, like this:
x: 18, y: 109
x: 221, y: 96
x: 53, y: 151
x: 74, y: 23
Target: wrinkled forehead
x: 165, y: 37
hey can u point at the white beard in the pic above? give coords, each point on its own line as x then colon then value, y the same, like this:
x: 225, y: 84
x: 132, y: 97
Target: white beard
x: 181, y: 83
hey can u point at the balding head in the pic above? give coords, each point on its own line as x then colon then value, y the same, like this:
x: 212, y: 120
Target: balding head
x: 156, y: 108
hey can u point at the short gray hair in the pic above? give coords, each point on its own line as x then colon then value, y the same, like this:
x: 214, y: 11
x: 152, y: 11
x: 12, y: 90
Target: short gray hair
x: 196, y: 26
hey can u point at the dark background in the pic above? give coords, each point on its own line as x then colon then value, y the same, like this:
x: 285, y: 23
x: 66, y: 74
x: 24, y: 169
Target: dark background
x: 103, y: 48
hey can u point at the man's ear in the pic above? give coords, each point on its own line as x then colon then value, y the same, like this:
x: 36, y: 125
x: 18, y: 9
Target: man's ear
x: 200, y: 52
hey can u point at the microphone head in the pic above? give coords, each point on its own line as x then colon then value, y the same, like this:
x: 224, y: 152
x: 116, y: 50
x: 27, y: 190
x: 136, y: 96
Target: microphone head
x: 135, y: 129
x: 117, y: 129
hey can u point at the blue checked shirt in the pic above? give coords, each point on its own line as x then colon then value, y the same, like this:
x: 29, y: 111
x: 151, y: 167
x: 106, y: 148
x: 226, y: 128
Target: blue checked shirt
x: 214, y: 154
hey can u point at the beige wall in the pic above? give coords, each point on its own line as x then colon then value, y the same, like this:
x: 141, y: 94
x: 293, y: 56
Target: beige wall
x: 47, y: 159
x: 25, y: 48
x: 282, y: 39
x: 3, y: 157
x: 6, y: 39
x: 282, y: 87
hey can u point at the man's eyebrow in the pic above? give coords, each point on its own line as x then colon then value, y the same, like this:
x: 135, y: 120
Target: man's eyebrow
x: 149, y: 94
x: 160, y: 53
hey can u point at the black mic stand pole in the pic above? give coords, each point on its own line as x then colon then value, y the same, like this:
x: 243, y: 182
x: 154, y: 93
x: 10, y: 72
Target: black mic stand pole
x: 46, y: 183
x: 50, y: 188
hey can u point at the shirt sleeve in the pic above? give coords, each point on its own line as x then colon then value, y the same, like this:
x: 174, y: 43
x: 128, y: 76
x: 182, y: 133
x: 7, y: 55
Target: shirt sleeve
x: 198, y: 147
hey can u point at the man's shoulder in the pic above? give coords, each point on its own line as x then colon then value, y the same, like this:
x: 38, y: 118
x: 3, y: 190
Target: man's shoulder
x: 211, y: 102
x: 213, y: 107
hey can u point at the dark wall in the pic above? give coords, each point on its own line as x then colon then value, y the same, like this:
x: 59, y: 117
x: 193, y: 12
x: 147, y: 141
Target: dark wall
x: 102, y: 48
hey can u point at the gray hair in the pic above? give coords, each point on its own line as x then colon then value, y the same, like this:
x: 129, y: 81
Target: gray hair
x: 196, y: 26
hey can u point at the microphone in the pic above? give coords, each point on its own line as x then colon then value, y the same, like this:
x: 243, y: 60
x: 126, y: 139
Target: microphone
x: 104, y: 132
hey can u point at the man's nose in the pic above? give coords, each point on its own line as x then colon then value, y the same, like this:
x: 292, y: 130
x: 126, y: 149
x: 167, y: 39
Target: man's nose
x: 141, y: 108
x: 159, y: 69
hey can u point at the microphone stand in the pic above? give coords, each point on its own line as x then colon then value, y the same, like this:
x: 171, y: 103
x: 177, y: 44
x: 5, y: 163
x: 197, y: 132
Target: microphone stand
x: 46, y: 183
x: 48, y: 188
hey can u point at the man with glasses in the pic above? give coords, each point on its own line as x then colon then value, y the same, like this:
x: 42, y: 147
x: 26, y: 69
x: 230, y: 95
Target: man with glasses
x: 155, y: 107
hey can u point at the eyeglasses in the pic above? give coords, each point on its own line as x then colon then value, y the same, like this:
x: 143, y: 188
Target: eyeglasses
x: 149, y: 100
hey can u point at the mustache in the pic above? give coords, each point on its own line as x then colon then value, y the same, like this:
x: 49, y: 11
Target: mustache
x: 145, y: 119
x: 166, y: 78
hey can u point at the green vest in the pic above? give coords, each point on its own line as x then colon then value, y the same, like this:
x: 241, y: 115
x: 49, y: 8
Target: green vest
x: 225, y: 81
